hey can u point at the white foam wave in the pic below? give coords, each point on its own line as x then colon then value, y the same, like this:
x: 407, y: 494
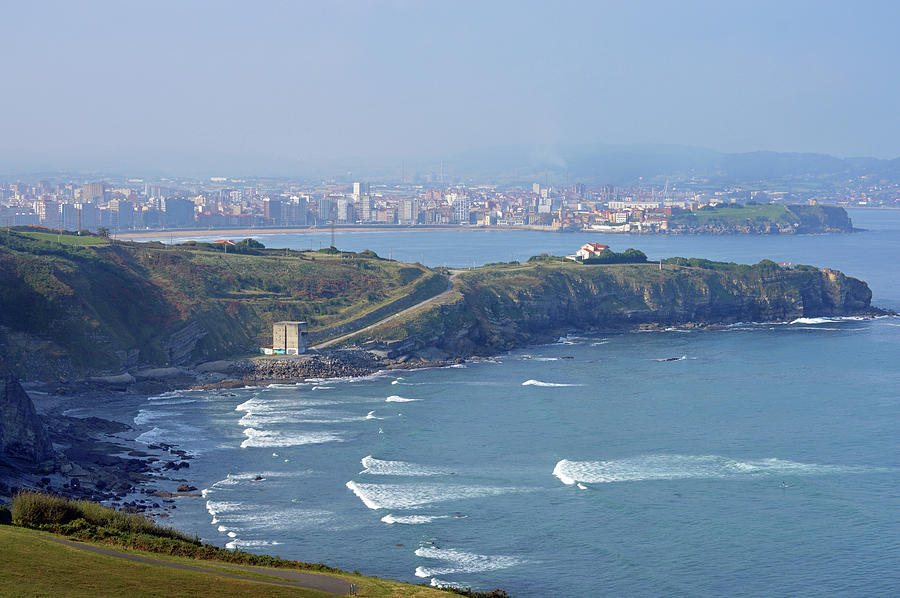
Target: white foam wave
x: 546, y: 384
x: 270, y: 438
x: 254, y: 477
x: 145, y: 416
x: 545, y: 358
x: 237, y: 516
x: 828, y: 320
x: 303, y: 416
x: 375, y: 466
x: 682, y: 358
x: 440, y: 583
x: 259, y: 405
x: 234, y: 544
x: 675, y: 467
x: 413, y: 496
x: 412, y: 519
x: 459, y: 561
x: 398, y: 399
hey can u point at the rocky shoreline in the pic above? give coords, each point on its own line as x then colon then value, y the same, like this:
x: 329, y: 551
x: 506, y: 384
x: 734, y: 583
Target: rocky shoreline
x: 93, y: 458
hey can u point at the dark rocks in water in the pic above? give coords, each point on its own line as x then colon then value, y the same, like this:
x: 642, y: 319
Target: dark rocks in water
x: 22, y: 432
x: 175, y: 466
x: 186, y: 488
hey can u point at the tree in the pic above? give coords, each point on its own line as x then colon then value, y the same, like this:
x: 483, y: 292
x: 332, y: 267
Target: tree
x: 103, y: 232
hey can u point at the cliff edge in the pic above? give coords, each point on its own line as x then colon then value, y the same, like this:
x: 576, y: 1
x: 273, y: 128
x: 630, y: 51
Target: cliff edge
x: 500, y: 307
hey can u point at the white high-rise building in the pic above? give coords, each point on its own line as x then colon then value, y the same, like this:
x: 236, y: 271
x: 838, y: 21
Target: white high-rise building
x: 409, y: 211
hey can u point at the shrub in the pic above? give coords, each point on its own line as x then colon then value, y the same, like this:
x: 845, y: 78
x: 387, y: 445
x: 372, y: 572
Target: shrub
x: 39, y: 510
x: 5, y: 516
x: 34, y: 509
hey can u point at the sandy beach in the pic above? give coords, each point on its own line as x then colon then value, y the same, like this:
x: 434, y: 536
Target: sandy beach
x: 251, y: 232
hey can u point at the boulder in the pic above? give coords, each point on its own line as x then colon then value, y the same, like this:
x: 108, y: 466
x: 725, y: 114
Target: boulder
x: 22, y: 432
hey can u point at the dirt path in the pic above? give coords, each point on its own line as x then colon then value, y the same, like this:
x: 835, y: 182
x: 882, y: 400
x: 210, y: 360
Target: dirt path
x: 450, y: 284
x: 299, y: 579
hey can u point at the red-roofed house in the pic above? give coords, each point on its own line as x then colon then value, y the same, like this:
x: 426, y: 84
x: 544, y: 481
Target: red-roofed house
x: 590, y: 250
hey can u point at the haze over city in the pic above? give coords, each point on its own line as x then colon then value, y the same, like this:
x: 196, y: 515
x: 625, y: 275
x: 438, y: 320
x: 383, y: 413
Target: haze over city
x: 292, y: 88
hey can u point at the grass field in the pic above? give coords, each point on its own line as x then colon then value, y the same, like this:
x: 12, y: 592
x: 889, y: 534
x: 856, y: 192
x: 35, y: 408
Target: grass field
x: 768, y: 212
x: 35, y: 565
x: 72, y: 240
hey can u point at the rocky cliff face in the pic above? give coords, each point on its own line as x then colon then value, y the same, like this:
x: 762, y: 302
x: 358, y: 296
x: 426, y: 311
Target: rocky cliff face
x: 507, y: 307
x: 22, y: 432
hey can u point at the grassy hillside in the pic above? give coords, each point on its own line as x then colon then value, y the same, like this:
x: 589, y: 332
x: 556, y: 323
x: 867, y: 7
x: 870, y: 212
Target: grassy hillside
x: 34, y: 564
x: 163, y: 561
x: 499, y: 307
x: 765, y: 218
x: 93, y: 307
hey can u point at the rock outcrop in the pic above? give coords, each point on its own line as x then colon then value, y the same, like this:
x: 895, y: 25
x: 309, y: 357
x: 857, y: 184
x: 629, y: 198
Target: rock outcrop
x: 504, y: 307
x: 23, y: 436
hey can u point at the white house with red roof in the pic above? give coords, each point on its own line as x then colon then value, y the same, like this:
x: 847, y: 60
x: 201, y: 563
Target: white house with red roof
x: 590, y: 250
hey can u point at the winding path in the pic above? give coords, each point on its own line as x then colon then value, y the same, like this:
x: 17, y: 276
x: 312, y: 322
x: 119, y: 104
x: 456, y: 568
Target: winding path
x: 450, y: 284
x: 290, y: 577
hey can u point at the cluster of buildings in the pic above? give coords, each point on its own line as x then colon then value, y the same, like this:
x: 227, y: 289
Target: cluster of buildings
x: 220, y: 203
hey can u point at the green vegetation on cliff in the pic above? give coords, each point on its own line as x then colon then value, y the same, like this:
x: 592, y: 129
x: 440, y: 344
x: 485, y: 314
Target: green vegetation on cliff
x: 81, y: 308
x: 500, y: 307
x: 74, y: 309
x: 762, y: 219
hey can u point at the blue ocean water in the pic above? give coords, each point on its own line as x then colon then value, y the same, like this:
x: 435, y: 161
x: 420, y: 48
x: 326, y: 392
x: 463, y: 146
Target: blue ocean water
x: 761, y: 460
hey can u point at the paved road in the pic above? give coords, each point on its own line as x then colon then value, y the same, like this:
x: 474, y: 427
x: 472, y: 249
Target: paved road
x: 450, y: 284
x: 299, y: 579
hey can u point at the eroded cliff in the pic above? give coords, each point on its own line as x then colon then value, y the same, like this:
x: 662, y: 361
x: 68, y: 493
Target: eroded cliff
x: 502, y: 307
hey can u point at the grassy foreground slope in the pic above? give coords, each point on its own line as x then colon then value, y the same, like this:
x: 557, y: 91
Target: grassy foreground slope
x: 76, y: 309
x: 141, y: 558
x: 34, y: 564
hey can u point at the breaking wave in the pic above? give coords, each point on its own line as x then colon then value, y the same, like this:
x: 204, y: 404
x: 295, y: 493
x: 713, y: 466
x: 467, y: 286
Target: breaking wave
x: 414, y: 496
x: 412, y: 519
x: 269, y: 438
x: 375, y: 466
x: 547, y: 384
x: 398, y: 399
x: 459, y: 561
x: 677, y: 467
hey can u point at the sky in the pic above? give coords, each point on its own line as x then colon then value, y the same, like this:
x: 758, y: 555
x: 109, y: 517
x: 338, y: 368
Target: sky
x: 263, y: 84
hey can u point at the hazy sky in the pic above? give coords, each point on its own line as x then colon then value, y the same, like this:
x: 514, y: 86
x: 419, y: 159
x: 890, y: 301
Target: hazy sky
x: 165, y: 83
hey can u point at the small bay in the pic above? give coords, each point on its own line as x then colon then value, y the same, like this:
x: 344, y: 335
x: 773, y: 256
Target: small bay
x: 759, y: 460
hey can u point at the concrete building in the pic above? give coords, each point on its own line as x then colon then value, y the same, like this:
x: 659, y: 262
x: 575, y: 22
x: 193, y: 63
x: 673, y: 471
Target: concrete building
x: 289, y: 338
x: 409, y: 211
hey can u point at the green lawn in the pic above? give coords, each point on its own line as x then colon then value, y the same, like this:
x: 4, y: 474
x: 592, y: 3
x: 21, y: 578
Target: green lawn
x: 768, y: 212
x: 75, y: 240
x: 34, y: 565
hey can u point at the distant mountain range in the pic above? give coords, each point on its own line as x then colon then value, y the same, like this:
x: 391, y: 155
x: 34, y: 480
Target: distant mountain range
x: 628, y: 164
x: 511, y: 164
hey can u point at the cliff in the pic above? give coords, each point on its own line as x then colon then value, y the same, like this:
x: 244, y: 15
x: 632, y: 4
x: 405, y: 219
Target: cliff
x: 68, y: 312
x: 501, y: 307
x: 22, y: 433
x: 762, y: 220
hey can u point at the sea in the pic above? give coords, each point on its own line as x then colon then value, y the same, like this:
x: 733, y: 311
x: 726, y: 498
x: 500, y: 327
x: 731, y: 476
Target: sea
x: 758, y: 460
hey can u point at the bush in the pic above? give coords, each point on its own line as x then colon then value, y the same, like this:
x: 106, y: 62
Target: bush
x: 5, y: 516
x: 39, y: 510
x: 34, y: 509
